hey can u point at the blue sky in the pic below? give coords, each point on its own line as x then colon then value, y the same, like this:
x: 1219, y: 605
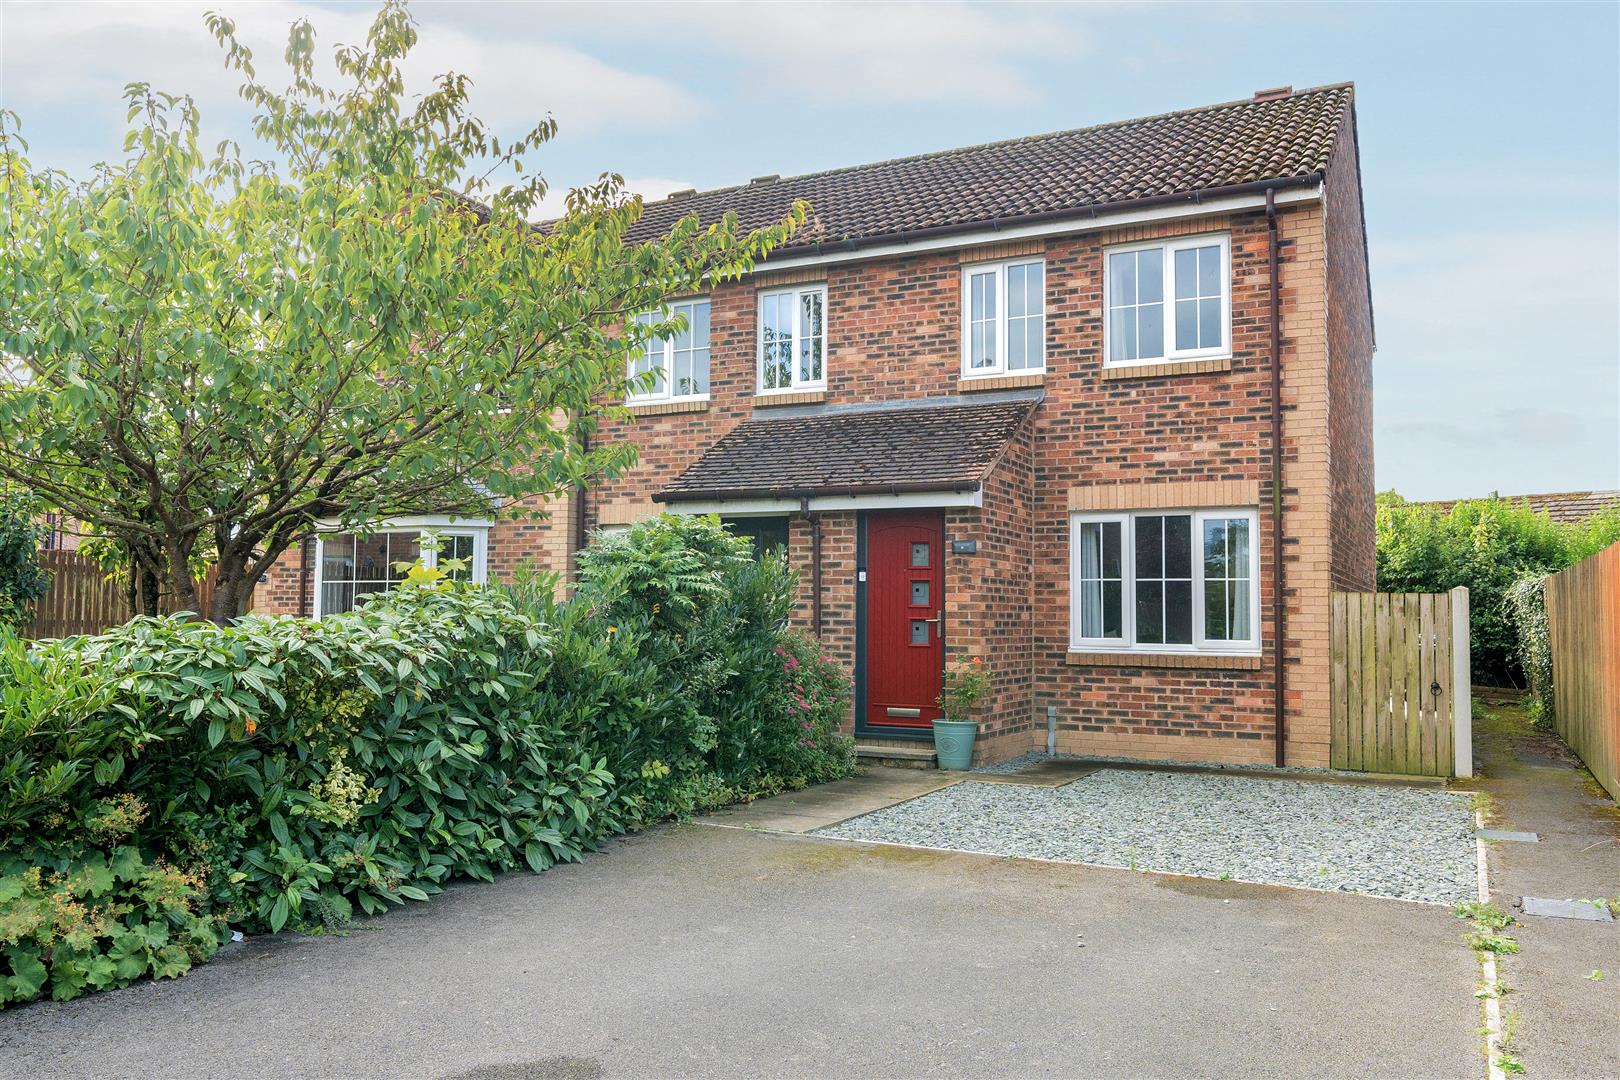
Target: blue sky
x: 1490, y: 138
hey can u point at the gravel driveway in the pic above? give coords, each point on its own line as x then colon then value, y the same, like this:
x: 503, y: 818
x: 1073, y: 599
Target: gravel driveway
x: 1407, y: 843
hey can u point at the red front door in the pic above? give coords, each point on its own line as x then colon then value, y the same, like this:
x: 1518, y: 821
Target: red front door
x: 905, y: 607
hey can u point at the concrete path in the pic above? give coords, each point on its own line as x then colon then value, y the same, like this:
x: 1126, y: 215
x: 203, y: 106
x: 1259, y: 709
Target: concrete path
x: 872, y: 788
x: 700, y: 951
x: 1568, y: 1025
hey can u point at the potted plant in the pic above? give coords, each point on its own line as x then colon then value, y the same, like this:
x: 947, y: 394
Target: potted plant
x: 966, y: 683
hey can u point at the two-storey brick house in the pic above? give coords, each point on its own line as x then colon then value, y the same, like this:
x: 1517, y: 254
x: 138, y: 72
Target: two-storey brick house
x: 1059, y: 402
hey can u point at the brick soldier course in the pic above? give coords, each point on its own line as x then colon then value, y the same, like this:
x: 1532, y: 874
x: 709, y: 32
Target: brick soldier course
x: 889, y: 243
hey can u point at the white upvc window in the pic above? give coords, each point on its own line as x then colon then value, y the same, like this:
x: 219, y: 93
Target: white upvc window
x: 678, y: 363
x: 1165, y: 581
x: 1004, y: 318
x: 793, y: 339
x: 350, y: 567
x: 1169, y: 300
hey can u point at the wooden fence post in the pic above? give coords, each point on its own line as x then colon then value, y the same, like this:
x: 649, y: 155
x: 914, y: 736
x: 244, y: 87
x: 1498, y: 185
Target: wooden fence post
x: 1462, y: 673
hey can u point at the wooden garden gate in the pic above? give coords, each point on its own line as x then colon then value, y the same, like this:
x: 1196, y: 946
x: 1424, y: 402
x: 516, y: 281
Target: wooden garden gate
x: 1400, y: 690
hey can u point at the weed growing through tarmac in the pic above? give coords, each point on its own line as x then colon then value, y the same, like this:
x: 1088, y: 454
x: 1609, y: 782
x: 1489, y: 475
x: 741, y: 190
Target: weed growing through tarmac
x: 1485, y: 914
x: 1596, y: 976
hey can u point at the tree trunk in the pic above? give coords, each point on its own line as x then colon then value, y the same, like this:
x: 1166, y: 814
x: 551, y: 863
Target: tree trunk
x: 148, y: 590
x: 231, y: 592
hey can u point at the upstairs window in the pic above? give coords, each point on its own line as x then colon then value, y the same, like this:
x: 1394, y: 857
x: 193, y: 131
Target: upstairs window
x: 677, y: 364
x: 1169, y: 301
x: 1181, y: 581
x: 792, y: 339
x: 1004, y: 318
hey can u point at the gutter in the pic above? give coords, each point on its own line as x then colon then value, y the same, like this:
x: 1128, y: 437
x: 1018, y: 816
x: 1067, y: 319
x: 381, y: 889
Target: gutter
x: 817, y: 492
x: 1279, y: 613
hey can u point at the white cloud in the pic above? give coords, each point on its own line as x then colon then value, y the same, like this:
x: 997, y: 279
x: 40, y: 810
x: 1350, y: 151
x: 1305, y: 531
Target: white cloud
x: 83, y: 54
x: 868, y: 52
x: 555, y: 204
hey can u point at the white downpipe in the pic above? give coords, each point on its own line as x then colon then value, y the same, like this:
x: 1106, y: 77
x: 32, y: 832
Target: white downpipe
x: 1462, y: 704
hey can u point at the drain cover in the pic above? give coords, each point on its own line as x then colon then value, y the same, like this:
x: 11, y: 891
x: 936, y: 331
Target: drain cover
x: 1587, y: 910
x: 1508, y: 834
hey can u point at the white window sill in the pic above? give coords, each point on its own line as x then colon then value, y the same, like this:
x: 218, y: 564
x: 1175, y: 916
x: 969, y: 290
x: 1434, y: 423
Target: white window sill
x: 1022, y: 373
x: 1167, y: 658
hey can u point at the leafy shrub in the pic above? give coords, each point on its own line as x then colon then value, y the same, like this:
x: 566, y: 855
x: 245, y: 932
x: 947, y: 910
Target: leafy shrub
x: 1485, y: 545
x: 168, y: 779
x: 22, y: 579
x: 752, y: 707
x: 1526, y: 603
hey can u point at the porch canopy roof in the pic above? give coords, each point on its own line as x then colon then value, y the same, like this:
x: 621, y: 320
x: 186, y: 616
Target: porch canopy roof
x: 918, y: 446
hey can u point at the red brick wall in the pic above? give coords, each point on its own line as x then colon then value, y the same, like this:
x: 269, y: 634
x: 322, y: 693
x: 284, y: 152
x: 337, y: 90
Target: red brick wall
x: 893, y: 329
x: 893, y: 332
x: 988, y: 594
x: 1350, y: 356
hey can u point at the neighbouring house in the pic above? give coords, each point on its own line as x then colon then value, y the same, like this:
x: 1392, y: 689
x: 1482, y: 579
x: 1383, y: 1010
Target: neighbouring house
x: 1564, y: 507
x: 1095, y: 406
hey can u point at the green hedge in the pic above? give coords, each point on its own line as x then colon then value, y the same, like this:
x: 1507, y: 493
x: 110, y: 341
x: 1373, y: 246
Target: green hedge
x: 1486, y: 545
x: 169, y: 780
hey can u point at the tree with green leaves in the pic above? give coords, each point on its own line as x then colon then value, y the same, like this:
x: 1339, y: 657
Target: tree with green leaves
x: 210, y: 354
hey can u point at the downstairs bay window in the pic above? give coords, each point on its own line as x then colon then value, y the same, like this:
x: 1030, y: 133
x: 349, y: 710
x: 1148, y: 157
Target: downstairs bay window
x: 351, y: 567
x: 1165, y: 581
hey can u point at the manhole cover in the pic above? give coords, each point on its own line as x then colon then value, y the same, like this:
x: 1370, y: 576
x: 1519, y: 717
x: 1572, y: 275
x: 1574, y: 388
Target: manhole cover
x: 1508, y: 834
x: 1587, y: 910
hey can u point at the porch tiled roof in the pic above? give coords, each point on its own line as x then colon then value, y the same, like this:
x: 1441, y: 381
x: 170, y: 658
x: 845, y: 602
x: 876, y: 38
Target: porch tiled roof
x: 945, y: 447
x: 1286, y: 137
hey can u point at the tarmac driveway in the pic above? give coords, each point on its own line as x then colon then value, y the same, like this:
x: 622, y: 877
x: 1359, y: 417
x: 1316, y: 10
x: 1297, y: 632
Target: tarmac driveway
x: 701, y: 951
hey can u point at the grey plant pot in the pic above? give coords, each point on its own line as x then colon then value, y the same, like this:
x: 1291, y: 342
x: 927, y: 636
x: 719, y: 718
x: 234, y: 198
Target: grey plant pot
x: 953, y: 742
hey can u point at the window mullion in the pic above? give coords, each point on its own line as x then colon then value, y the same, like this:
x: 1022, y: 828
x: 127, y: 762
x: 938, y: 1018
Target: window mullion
x: 1167, y: 310
x: 1127, y: 574
x: 1002, y: 318
x: 797, y: 345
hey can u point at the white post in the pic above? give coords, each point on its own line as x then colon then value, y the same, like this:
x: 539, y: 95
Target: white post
x: 1462, y: 701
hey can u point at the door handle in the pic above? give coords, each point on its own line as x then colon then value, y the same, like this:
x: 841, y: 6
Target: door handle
x: 939, y: 616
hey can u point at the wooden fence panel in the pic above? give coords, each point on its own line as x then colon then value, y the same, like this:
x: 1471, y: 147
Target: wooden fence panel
x: 1390, y: 651
x: 82, y: 601
x: 1583, y: 617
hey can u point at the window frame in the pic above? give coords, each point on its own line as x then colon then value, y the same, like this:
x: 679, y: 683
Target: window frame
x: 668, y: 344
x: 1127, y: 643
x: 1169, y: 247
x: 999, y: 267
x: 795, y: 384
x: 479, y: 567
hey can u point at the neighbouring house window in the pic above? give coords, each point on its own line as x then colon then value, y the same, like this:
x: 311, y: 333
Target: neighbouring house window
x: 1165, y: 581
x: 350, y: 567
x: 1168, y: 301
x: 1004, y: 318
x: 792, y: 338
x: 678, y: 364
x: 766, y: 533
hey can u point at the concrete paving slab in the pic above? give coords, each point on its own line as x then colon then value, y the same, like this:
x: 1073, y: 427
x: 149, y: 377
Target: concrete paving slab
x: 1585, y: 910
x: 1053, y: 772
x: 705, y: 952
x: 1508, y: 834
x: 872, y: 788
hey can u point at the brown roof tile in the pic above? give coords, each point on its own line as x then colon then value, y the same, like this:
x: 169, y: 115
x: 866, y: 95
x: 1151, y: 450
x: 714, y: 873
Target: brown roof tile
x: 941, y: 447
x: 1285, y: 138
x: 1564, y: 507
